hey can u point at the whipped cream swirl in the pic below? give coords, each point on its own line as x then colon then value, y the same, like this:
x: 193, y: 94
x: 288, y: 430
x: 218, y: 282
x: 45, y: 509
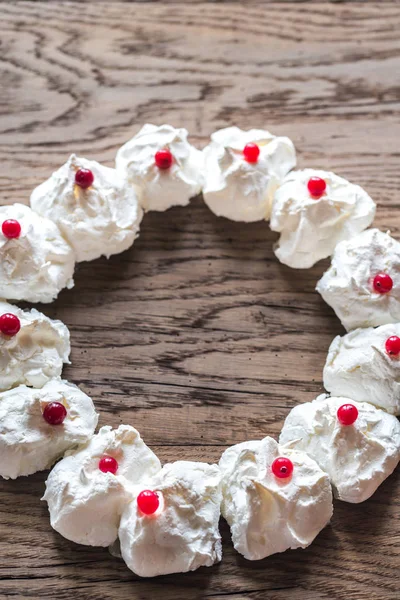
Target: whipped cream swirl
x: 267, y: 514
x: 359, y: 367
x: 159, y: 189
x: 86, y: 504
x: 36, y: 353
x: 39, y: 263
x: 347, y: 286
x: 358, y: 457
x: 101, y: 220
x: 183, y: 534
x: 27, y: 442
x: 310, y: 227
x: 239, y: 190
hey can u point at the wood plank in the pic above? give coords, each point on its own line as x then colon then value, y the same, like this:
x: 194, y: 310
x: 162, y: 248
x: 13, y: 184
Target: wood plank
x: 197, y: 335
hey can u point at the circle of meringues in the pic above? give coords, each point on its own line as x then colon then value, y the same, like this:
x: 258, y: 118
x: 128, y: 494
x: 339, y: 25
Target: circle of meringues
x: 109, y: 487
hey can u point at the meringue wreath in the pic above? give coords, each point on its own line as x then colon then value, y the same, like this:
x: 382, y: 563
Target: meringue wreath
x: 109, y: 487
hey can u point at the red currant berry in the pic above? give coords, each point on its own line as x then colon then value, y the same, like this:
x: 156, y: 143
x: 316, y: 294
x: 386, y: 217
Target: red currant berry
x: 84, y: 178
x: 108, y: 464
x: 282, y: 467
x: 251, y: 152
x: 163, y: 159
x: 148, y: 502
x: 316, y: 186
x: 11, y: 229
x: 347, y: 414
x: 9, y: 324
x: 54, y: 413
x: 382, y: 283
x: 392, y: 345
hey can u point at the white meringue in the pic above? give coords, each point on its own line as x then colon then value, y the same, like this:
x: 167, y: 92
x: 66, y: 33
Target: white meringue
x: 101, y: 220
x: 357, y: 457
x: 267, y: 514
x: 159, y: 189
x: 347, y: 286
x: 86, y: 504
x: 239, y: 190
x: 183, y: 534
x: 36, y: 353
x: 27, y: 442
x: 311, y: 228
x: 39, y: 263
x: 359, y: 367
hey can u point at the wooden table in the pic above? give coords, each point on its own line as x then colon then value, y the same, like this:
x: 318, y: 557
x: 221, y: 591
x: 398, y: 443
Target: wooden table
x: 197, y: 336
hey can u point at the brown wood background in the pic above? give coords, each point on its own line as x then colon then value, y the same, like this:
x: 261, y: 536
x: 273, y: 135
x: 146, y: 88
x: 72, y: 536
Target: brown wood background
x: 197, y: 336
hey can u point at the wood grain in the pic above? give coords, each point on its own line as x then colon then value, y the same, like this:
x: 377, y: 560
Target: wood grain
x: 197, y: 335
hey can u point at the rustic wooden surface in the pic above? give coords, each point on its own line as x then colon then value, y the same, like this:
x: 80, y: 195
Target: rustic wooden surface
x: 197, y: 335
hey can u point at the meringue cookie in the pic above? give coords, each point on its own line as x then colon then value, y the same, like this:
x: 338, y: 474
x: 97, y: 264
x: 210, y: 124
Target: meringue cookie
x: 159, y: 189
x: 36, y: 353
x: 239, y: 190
x: 101, y: 220
x: 357, y: 457
x: 267, y: 514
x: 359, y: 367
x: 86, y: 504
x: 183, y: 534
x: 27, y: 442
x: 311, y: 227
x: 39, y: 263
x: 347, y: 286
